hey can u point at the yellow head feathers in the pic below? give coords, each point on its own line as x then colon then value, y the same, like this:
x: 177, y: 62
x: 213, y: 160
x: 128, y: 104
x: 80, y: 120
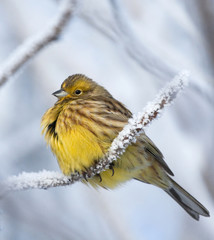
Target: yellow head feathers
x: 80, y: 86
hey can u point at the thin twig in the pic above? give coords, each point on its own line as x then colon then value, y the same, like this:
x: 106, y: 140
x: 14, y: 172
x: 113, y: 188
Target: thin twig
x: 127, y: 136
x: 137, y: 124
x: 36, y: 43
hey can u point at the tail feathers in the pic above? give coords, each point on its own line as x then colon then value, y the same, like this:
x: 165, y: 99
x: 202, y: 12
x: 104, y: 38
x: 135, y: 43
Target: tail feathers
x: 186, y: 201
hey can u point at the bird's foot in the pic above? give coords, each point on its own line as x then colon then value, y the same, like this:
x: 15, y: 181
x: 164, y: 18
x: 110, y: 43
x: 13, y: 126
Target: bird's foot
x: 112, y: 168
x: 99, y: 177
x: 87, y: 173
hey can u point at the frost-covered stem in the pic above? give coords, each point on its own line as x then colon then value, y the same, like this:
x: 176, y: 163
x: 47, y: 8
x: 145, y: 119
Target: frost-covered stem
x: 36, y: 43
x: 136, y: 125
x: 40, y: 180
x: 127, y: 136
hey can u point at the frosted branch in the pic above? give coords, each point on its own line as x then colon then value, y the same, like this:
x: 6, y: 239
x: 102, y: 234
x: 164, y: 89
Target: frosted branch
x: 41, y: 180
x: 127, y: 136
x: 36, y: 43
x: 137, y: 124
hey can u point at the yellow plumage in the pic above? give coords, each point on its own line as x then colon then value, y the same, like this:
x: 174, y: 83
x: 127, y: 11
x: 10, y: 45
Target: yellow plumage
x: 80, y: 128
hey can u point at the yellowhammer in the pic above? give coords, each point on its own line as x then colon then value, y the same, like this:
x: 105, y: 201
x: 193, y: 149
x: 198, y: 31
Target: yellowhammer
x: 80, y: 128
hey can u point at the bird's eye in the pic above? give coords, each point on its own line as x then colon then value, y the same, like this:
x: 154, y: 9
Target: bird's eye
x: 78, y: 92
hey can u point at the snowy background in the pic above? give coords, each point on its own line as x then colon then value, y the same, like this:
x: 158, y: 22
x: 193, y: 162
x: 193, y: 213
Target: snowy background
x: 132, y: 47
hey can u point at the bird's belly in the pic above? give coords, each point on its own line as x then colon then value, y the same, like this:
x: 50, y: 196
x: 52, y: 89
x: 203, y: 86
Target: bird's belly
x: 76, y: 150
x: 127, y: 167
x: 109, y: 179
x: 79, y: 149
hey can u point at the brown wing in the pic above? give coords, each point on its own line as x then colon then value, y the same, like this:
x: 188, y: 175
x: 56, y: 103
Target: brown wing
x: 110, y: 111
x: 117, y: 115
x: 155, y: 152
x: 117, y: 112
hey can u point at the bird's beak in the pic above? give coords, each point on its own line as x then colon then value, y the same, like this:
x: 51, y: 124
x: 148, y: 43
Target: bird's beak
x: 60, y: 93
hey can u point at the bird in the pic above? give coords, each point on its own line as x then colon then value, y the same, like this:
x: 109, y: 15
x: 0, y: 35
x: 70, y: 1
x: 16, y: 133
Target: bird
x: 80, y: 129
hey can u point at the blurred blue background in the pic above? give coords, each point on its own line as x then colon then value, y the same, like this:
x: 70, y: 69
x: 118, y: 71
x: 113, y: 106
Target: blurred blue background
x: 132, y: 47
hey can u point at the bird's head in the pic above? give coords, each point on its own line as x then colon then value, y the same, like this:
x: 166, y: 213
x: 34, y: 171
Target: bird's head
x: 79, y: 86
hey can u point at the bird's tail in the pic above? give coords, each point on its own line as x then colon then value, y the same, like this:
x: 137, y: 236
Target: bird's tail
x: 186, y: 201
